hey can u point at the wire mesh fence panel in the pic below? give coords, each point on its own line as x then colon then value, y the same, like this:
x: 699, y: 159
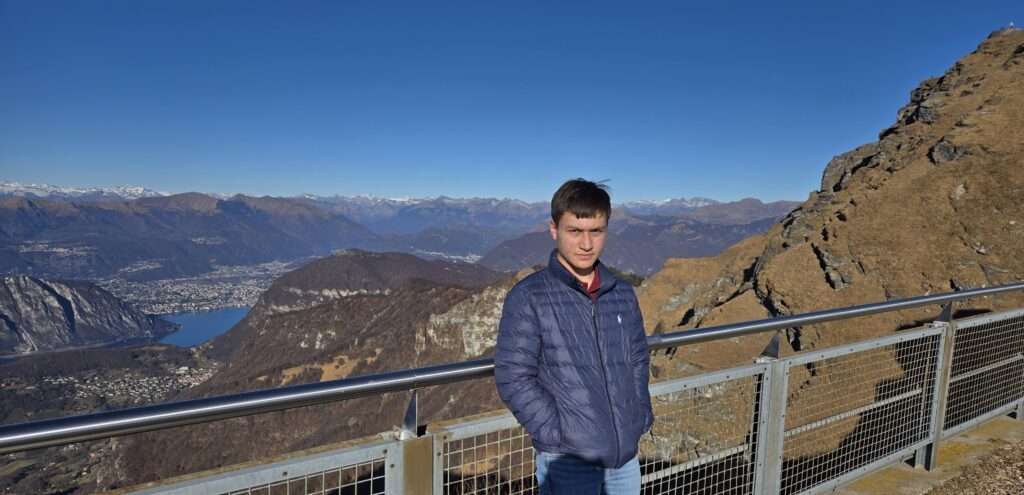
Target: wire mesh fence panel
x: 987, y: 368
x: 492, y: 462
x: 360, y: 468
x: 856, y: 406
x: 364, y: 478
x: 703, y: 439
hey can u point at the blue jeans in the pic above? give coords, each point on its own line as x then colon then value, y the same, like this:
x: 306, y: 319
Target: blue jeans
x: 559, y: 474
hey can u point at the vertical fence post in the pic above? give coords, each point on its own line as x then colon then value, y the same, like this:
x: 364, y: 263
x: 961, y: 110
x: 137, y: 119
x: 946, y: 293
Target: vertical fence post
x: 771, y: 427
x: 415, y: 467
x: 1018, y: 410
x: 927, y: 456
x: 440, y: 439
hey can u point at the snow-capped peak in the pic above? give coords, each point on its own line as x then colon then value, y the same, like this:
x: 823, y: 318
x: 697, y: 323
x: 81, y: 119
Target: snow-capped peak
x: 49, y: 191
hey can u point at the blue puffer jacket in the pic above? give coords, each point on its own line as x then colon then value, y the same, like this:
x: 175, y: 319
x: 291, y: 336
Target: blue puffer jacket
x: 575, y: 373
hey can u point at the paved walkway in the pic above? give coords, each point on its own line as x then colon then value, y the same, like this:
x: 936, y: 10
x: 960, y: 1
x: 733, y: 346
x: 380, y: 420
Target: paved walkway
x: 988, y: 460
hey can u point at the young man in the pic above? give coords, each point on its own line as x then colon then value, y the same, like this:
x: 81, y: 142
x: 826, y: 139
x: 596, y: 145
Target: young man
x: 572, y: 359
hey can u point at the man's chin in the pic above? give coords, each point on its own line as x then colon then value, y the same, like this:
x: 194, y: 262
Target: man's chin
x: 576, y: 264
x: 583, y: 265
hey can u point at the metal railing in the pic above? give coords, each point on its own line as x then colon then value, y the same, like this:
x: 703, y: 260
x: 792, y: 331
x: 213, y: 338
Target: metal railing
x: 896, y: 406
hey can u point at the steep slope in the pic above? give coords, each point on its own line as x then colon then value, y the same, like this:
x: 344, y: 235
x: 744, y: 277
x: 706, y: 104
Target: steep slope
x: 40, y: 315
x: 932, y: 206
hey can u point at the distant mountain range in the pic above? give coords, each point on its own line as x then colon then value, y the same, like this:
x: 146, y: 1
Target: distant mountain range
x: 361, y: 208
x: 165, y: 237
x: 53, y: 233
x: 637, y: 244
x: 411, y: 215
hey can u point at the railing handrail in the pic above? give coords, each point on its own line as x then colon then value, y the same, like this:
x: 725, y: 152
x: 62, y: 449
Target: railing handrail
x: 70, y: 429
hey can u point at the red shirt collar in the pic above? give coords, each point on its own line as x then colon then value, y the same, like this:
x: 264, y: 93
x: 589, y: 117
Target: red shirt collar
x: 595, y: 285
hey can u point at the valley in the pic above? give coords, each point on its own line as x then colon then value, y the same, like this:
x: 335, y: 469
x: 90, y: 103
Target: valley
x: 224, y: 287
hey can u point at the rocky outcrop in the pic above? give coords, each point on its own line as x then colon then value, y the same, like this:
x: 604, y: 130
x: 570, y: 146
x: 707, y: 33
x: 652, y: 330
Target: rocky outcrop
x: 40, y: 315
x: 933, y: 206
x: 470, y: 328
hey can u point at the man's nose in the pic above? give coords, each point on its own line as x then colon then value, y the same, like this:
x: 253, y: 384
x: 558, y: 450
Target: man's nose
x: 586, y: 243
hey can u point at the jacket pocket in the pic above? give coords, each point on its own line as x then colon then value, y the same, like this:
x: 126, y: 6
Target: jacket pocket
x: 550, y: 434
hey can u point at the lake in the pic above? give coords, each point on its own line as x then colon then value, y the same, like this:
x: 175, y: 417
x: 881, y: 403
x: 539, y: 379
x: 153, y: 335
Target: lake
x: 197, y: 328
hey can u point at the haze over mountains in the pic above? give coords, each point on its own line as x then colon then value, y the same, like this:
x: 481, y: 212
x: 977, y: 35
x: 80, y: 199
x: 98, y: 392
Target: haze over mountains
x: 158, y: 237
x: 640, y: 244
x: 163, y: 237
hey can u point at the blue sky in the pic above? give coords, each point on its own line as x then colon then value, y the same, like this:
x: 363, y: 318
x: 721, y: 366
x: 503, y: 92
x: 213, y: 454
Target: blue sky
x: 492, y: 99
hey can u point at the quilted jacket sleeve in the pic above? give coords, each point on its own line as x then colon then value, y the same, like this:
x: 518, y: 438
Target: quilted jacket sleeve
x: 516, y: 370
x: 640, y: 359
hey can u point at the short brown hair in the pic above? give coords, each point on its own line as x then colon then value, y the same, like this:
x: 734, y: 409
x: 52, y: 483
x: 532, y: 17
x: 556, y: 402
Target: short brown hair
x: 583, y: 198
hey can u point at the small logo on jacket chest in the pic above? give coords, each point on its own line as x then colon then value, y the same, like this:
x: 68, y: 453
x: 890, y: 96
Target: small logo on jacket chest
x: 619, y: 317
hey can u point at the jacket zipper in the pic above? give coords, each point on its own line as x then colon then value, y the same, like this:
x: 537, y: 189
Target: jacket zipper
x: 604, y: 374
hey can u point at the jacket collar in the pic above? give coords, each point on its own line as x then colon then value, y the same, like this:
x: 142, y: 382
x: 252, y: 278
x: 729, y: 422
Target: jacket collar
x: 608, y: 280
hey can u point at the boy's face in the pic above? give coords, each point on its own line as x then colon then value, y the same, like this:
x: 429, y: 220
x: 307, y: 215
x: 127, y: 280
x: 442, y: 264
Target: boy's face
x: 579, y: 240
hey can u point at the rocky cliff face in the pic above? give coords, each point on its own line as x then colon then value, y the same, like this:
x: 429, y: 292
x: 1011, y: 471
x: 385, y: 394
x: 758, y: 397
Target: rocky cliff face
x: 39, y: 315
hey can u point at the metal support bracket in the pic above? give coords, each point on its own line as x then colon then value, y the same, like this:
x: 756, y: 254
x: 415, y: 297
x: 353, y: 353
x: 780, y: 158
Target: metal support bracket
x: 771, y: 351
x: 410, y: 423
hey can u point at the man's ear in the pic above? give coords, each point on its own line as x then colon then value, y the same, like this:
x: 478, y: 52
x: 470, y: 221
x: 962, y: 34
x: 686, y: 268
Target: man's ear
x: 554, y: 230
